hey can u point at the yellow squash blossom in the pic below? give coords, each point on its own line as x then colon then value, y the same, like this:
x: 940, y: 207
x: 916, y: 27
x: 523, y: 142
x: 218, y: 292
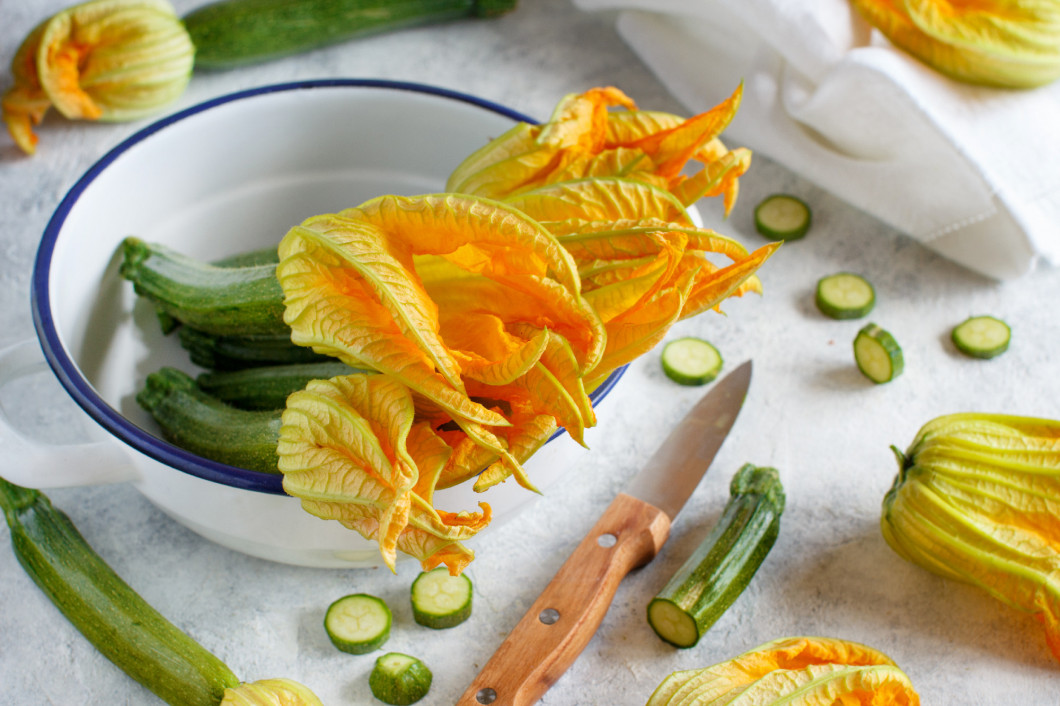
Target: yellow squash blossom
x: 792, y: 671
x: 977, y: 499
x: 584, y: 139
x: 270, y: 692
x: 1002, y: 43
x: 107, y: 60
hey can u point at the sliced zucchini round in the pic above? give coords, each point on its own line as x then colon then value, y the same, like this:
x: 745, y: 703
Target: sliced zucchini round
x: 399, y: 679
x: 691, y: 361
x: 440, y: 600
x: 982, y: 336
x: 782, y: 217
x: 358, y: 623
x: 845, y: 295
x: 878, y: 355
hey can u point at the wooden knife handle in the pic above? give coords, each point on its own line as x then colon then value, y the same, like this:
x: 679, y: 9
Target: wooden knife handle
x: 563, y: 619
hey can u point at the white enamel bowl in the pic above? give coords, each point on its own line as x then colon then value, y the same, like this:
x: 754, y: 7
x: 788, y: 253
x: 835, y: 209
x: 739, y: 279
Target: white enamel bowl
x: 227, y: 176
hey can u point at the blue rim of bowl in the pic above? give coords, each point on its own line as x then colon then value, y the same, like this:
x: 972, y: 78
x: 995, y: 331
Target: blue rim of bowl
x: 66, y: 370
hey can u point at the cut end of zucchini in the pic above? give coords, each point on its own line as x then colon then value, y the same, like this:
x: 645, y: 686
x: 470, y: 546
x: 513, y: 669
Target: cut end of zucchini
x: 782, y: 217
x: 672, y: 623
x: 691, y: 361
x: 358, y: 623
x: 982, y: 337
x: 440, y: 600
x: 845, y: 295
x: 878, y: 355
x: 399, y: 679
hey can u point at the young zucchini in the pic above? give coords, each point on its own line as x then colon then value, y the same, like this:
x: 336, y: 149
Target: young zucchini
x: 691, y: 361
x: 440, y: 600
x: 982, y: 337
x: 358, y: 623
x: 246, y: 300
x: 105, y: 609
x: 267, y: 387
x: 399, y: 679
x: 722, y: 566
x: 782, y: 217
x: 195, y: 421
x: 233, y: 33
x: 220, y: 352
x: 877, y: 354
x: 845, y: 295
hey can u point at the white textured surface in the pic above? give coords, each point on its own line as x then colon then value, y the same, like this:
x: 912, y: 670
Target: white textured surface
x: 809, y: 413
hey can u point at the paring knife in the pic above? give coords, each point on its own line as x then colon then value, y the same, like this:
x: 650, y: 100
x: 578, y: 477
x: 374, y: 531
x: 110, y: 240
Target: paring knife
x: 629, y: 534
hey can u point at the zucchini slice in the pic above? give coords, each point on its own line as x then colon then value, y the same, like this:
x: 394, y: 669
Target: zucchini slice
x: 399, y: 679
x: 440, y: 600
x: 719, y: 570
x: 782, y: 217
x: 358, y: 623
x: 691, y: 361
x: 878, y: 355
x: 845, y: 295
x: 982, y: 336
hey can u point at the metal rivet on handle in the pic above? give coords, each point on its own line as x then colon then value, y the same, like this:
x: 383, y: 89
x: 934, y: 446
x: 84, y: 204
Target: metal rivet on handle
x: 607, y: 540
x: 486, y: 696
x: 548, y: 616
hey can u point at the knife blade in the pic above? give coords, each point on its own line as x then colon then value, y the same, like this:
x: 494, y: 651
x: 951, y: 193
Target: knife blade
x: 630, y: 532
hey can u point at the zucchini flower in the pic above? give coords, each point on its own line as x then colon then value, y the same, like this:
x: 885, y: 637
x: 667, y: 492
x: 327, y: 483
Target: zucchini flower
x: 792, y: 671
x: 1001, y: 43
x: 977, y: 499
x: 108, y: 60
x: 270, y: 692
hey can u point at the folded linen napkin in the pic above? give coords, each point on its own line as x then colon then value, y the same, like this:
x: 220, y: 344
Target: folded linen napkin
x: 971, y: 172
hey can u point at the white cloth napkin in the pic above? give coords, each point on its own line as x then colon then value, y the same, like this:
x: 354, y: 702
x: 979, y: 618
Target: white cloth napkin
x: 973, y: 173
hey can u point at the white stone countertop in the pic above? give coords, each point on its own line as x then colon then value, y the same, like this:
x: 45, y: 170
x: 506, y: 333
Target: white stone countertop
x: 809, y: 413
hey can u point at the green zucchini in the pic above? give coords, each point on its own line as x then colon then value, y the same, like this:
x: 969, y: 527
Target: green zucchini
x: 245, y: 300
x: 235, y: 352
x: 233, y: 33
x: 199, y: 423
x: 723, y: 565
x: 105, y: 609
x: 267, y: 387
x: 399, y: 679
x: 358, y: 623
x: 441, y: 600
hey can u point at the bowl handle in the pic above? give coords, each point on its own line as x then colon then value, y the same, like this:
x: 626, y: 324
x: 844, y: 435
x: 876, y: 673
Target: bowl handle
x: 39, y: 464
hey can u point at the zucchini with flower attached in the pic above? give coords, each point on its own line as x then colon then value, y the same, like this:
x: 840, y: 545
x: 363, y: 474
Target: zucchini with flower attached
x: 118, y: 621
x: 266, y: 387
x: 236, y: 352
x: 723, y: 565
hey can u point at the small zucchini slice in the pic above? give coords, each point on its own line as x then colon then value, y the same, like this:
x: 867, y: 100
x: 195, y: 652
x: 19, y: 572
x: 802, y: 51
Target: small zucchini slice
x: 358, y: 623
x: 105, y: 609
x: 845, y: 295
x: 719, y: 570
x: 982, y: 336
x: 877, y: 354
x: 782, y: 217
x: 399, y: 679
x: 440, y: 600
x: 691, y: 361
